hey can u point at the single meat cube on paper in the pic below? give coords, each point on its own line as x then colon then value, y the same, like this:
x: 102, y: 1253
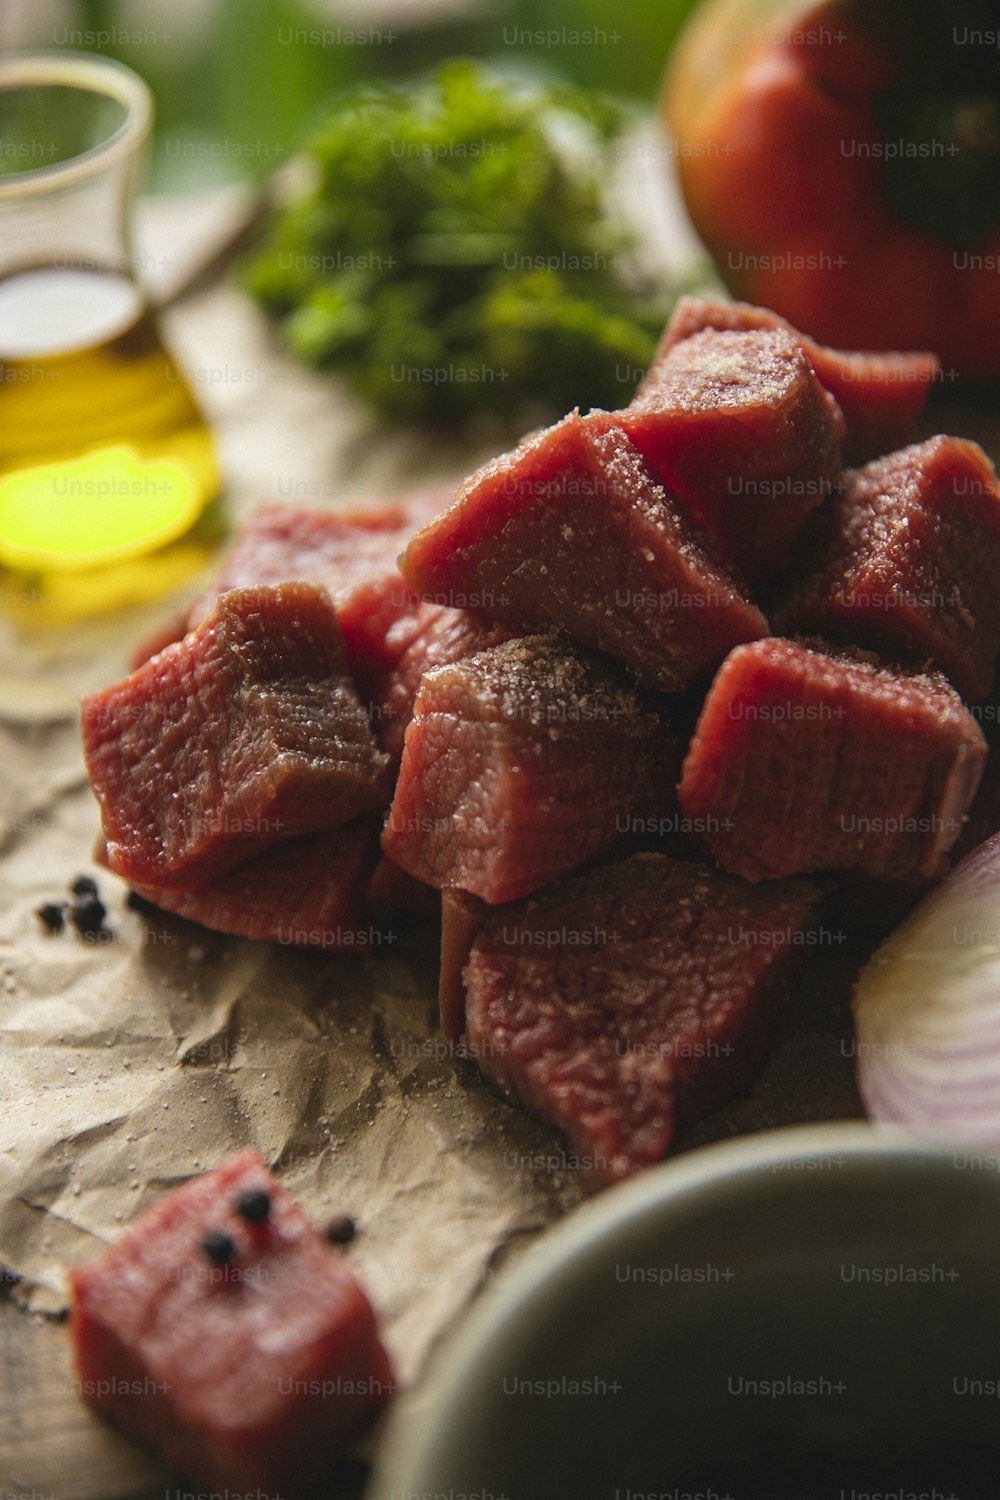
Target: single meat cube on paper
x: 228, y: 1333
x: 521, y: 763
x: 617, y: 1003
x: 804, y: 760
x: 247, y: 732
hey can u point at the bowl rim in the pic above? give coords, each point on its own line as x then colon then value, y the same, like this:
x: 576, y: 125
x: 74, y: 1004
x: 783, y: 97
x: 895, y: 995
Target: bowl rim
x: 415, y: 1428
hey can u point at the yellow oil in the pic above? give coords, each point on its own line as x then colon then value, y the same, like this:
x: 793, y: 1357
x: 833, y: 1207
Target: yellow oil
x: 108, y: 477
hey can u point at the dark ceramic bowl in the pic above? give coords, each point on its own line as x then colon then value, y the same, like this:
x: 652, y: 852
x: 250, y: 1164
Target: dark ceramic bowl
x: 803, y: 1312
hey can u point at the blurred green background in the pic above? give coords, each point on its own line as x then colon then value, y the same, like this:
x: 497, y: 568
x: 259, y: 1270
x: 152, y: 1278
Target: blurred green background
x: 239, y: 82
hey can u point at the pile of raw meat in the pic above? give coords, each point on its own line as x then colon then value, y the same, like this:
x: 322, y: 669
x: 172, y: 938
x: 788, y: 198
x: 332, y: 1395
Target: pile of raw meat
x: 636, y: 682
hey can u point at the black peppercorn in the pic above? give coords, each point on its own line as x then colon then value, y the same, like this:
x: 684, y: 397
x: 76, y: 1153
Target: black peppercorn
x: 219, y: 1246
x: 87, y: 915
x: 84, y: 885
x: 253, y: 1204
x: 52, y: 916
x: 341, y: 1230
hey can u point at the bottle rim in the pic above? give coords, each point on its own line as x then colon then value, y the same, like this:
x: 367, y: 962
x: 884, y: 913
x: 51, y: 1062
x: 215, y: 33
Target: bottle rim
x: 87, y: 72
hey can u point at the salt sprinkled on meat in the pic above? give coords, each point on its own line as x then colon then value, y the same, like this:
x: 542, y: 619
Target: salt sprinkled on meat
x: 572, y: 531
x: 522, y: 762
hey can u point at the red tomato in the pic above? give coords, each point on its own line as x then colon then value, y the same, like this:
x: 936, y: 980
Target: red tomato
x: 841, y: 161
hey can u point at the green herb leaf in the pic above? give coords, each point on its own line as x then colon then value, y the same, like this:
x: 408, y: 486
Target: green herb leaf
x: 455, y: 258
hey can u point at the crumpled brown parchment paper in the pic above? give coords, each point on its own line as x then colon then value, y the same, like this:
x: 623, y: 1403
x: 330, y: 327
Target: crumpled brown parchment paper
x: 127, y: 1066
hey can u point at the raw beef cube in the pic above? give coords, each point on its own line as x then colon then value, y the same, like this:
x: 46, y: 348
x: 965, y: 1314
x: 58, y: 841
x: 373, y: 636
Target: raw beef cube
x: 643, y: 993
x: 738, y: 428
x: 225, y: 1331
x: 880, y: 394
x: 352, y: 554
x: 462, y: 916
x: 150, y: 645
x: 432, y: 635
x: 984, y: 813
x: 308, y: 891
x: 522, y: 762
x: 571, y: 530
x: 392, y: 893
x: 906, y: 561
x: 803, y: 760
x: 246, y: 732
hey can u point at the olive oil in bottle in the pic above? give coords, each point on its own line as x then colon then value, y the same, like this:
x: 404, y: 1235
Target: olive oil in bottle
x: 108, y: 477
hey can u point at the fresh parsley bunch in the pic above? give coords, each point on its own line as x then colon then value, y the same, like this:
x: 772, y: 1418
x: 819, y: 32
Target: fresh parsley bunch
x: 454, y: 257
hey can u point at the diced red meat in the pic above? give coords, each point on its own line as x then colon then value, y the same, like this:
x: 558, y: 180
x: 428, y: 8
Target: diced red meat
x: 906, y: 561
x: 247, y: 1373
x: 352, y: 554
x: 462, y: 916
x: 391, y: 636
x: 394, y: 893
x: 309, y: 891
x: 618, y: 1002
x: 247, y: 732
x: 431, y: 636
x: 804, y: 760
x: 880, y: 394
x: 520, y: 763
x: 984, y: 813
x: 571, y: 530
x: 173, y: 629
x: 281, y: 543
x: 737, y: 427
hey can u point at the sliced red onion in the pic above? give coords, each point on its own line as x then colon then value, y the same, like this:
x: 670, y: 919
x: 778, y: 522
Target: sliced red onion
x: 927, y: 1012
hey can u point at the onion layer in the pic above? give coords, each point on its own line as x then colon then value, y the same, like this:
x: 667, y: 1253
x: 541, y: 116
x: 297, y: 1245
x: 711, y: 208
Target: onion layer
x: 927, y: 1012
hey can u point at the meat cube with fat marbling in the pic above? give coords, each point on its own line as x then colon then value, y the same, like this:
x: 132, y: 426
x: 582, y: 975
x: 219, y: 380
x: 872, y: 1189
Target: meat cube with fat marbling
x: 247, y: 732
